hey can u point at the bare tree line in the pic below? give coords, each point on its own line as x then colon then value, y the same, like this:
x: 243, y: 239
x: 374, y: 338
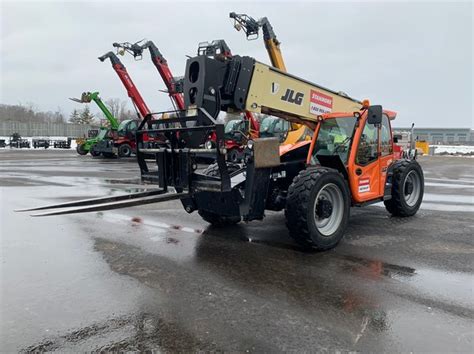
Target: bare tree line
x: 25, y: 113
x: 29, y: 113
x: 120, y: 109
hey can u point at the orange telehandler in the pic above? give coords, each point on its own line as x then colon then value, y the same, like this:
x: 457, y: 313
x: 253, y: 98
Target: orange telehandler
x: 349, y: 162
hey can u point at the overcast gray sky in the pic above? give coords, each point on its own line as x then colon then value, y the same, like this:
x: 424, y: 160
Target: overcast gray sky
x: 415, y: 58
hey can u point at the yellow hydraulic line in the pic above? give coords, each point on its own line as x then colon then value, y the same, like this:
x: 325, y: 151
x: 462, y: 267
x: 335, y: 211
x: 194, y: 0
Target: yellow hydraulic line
x: 274, y: 52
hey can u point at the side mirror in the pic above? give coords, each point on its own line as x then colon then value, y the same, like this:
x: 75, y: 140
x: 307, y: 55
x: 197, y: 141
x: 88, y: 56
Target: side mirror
x: 374, y: 115
x: 395, y: 139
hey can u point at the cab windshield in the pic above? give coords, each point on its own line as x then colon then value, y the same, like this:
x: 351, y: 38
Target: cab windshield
x: 121, y: 130
x: 233, y: 125
x: 334, y: 138
x: 127, y: 126
x: 273, y: 127
x: 102, y: 134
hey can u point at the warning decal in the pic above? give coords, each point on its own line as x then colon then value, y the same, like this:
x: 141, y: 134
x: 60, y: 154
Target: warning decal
x: 320, y: 103
x: 364, y: 185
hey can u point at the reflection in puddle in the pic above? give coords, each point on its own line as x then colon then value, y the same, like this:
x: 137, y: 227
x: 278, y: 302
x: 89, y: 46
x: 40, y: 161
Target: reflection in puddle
x: 123, y: 181
x: 136, y: 220
x: 374, y: 269
x: 140, y: 332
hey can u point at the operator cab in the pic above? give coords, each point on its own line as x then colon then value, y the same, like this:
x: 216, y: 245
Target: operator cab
x: 359, y: 146
x: 273, y: 127
x: 92, y: 133
x: 127, y: 128
x: 236, y: 130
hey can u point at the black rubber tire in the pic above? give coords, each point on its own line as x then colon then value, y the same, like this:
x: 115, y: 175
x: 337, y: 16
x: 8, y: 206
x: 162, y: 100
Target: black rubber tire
x: 93, y: 152
x: 234, y: 156
x: 212, y: 218
x: 125, y: 150
x: 108, y: 155
x: 80, y: 150
x: 397, y: 205
x: 300, y: 207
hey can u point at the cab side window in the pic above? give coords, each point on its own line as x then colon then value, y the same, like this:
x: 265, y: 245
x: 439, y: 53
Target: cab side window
x: 386, y: 147
x: 133, y: 126
x: 368, y: 145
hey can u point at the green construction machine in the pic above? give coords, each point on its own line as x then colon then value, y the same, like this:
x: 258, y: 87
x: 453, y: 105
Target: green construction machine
x: 85, y: 145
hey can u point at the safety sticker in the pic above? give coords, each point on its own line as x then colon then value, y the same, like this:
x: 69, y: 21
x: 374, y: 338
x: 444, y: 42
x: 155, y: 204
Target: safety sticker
x: 364, y: 185
x: 320, y: 103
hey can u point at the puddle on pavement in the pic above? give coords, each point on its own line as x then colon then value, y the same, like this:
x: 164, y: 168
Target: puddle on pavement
x: 452, y: 287
x: 123, y: 181
x: 374, y: 269
x: 127, y: 333
x: 146, y: 222
x: 51, y: 277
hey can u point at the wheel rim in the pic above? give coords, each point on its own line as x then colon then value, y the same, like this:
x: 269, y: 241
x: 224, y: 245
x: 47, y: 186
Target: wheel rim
x: 126, y: 151
x: 412, y: 188
x: 328, y: 224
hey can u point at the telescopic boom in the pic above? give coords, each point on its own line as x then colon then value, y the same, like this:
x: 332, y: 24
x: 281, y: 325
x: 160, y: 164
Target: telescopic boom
x: 161, y: 65
x: 87, y: 97
x: 132, y: 90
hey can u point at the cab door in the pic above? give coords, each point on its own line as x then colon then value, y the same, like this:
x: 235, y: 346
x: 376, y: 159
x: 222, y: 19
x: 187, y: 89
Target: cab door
x: 364, y: 172
x: 386, y: 150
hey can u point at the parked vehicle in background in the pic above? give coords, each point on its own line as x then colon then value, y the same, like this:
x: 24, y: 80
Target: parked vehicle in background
x: 16, y: 141
x: 96, y: 137
x: 41, y: 143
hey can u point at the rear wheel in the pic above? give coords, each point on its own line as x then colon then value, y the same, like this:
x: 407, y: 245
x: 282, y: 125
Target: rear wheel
x: 213, y: 218
x: 80, y: 149
x: 125, y: 150
x: 317, y: 208
x: 407, y: 188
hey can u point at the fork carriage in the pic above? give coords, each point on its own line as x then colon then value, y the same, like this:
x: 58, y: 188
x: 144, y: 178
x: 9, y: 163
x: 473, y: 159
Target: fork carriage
x: 219, y: 190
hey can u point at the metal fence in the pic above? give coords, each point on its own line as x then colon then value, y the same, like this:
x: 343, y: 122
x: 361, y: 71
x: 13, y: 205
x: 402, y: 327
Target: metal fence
x: 45, y: 129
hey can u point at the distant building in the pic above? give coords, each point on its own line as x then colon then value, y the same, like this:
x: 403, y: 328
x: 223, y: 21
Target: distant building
x: 457, y: 136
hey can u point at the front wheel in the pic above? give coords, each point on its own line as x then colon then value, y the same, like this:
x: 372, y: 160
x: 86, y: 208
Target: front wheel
x: 81, y: 149
x: 317, y: 208
x: 125, y: 150
x: 407, y: 188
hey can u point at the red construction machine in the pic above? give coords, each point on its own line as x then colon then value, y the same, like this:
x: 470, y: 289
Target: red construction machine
x: 124, y: 142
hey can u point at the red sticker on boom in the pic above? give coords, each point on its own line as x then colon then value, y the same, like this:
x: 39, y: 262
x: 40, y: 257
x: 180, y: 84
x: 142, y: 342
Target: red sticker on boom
x: 320, y: 103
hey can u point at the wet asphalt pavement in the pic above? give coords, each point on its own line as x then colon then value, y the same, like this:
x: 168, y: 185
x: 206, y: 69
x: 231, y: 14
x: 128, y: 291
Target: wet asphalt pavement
x: 155, y: 277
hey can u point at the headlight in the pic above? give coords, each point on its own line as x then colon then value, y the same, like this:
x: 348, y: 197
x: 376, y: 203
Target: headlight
x: 250, y: 144
x: 208, y: 144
